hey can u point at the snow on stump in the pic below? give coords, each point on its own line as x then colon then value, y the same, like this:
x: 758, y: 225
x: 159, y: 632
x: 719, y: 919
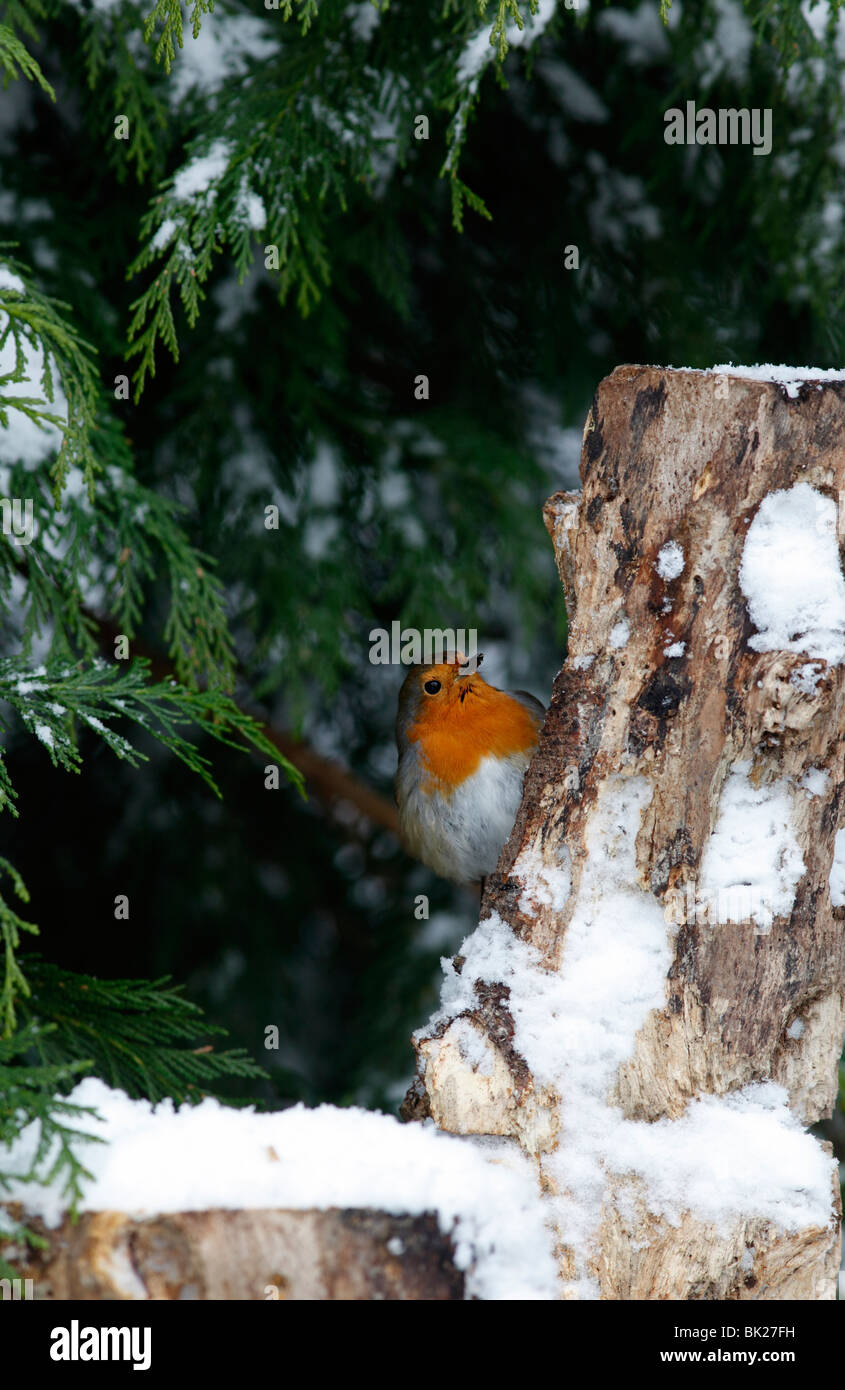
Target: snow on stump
x: 208, y: 1202
x: 653, y: 1003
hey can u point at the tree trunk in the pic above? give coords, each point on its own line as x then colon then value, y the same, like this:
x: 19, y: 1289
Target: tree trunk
x: 660, y: 936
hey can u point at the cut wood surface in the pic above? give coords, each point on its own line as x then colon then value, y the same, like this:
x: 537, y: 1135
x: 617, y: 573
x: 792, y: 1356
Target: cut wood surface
x: 244, y: 1255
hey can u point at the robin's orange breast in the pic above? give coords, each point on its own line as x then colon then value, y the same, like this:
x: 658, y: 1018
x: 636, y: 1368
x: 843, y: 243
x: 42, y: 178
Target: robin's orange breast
x: 453, y: 741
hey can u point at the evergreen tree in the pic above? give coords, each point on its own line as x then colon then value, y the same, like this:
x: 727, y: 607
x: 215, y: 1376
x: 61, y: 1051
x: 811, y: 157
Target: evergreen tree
x: 301, y: 308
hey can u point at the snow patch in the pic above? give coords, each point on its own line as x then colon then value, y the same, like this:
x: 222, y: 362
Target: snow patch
x: 815, y: 781
x: 163, y: 1159
x: 250, y: 209
x: 164, y: 234
x: 744, y: 1152
x: 836, y: 878
x: 472, y: 1047
x: 575, y: 1027
x: 24, y: 440
x: 478, y: 51
x: 364, y: 19
x: 575, y: 96
x: 546, y: 884
x: 726, y: 54
x: 222, y: 48
x: 791, y: 578
x: 642, y: 31
x: 10, y: 281
x: 197, y: 176
x: 791, y: 378
x: 741, y: 1154
x: 806, y: 678
x: 619, y: 634
x: 670, y: 562
x: 752, y: 861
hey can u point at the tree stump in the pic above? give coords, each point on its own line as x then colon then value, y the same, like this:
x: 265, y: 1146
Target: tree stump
x: 662, y: 946
x: 242, y: 1255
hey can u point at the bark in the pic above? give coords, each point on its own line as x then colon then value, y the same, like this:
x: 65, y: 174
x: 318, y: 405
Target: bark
x: 242, y: 1255
x: 684, y: 456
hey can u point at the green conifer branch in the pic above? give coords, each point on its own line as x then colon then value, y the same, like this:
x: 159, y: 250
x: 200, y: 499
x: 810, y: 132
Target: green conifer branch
x: 141, y: 1036
x: 22, y: 14
x: 34, y: 324
x: 11, y: 925
x: 51, y: 700
x: 121, y: 84
x: 16, y: 60
x: 168, y: 13
x: 29, y: 1093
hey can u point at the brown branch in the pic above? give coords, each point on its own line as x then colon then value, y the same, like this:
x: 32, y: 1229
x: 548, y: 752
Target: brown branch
x: 331, y: 783
x: 326, y: 780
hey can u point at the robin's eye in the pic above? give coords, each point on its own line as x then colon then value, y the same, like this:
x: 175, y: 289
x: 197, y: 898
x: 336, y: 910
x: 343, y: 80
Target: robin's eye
x: 431, y: 687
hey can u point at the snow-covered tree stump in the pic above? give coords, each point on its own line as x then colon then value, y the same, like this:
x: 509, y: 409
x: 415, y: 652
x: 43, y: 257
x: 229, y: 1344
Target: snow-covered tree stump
x: 653, y: 1001
x: 211, y: 1202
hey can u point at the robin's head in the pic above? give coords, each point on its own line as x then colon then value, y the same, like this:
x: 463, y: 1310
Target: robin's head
x: 433, y: 693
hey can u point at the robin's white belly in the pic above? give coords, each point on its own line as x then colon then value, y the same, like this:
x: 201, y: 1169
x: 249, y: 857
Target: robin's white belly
x: 461, y: 835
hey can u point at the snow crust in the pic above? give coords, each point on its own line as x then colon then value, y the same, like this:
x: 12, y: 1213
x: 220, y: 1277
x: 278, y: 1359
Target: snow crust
x: 164, y: 1159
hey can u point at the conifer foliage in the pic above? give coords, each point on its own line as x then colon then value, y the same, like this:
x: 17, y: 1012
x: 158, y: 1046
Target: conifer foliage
x: 301, y: 304
x: 83, y: 538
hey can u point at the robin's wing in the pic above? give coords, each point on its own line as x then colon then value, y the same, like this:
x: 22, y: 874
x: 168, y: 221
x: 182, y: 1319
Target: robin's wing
x: 530, y: 703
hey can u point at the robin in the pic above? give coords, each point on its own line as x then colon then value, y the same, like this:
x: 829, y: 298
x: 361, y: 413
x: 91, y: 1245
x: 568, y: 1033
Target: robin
x: 463, y: 750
